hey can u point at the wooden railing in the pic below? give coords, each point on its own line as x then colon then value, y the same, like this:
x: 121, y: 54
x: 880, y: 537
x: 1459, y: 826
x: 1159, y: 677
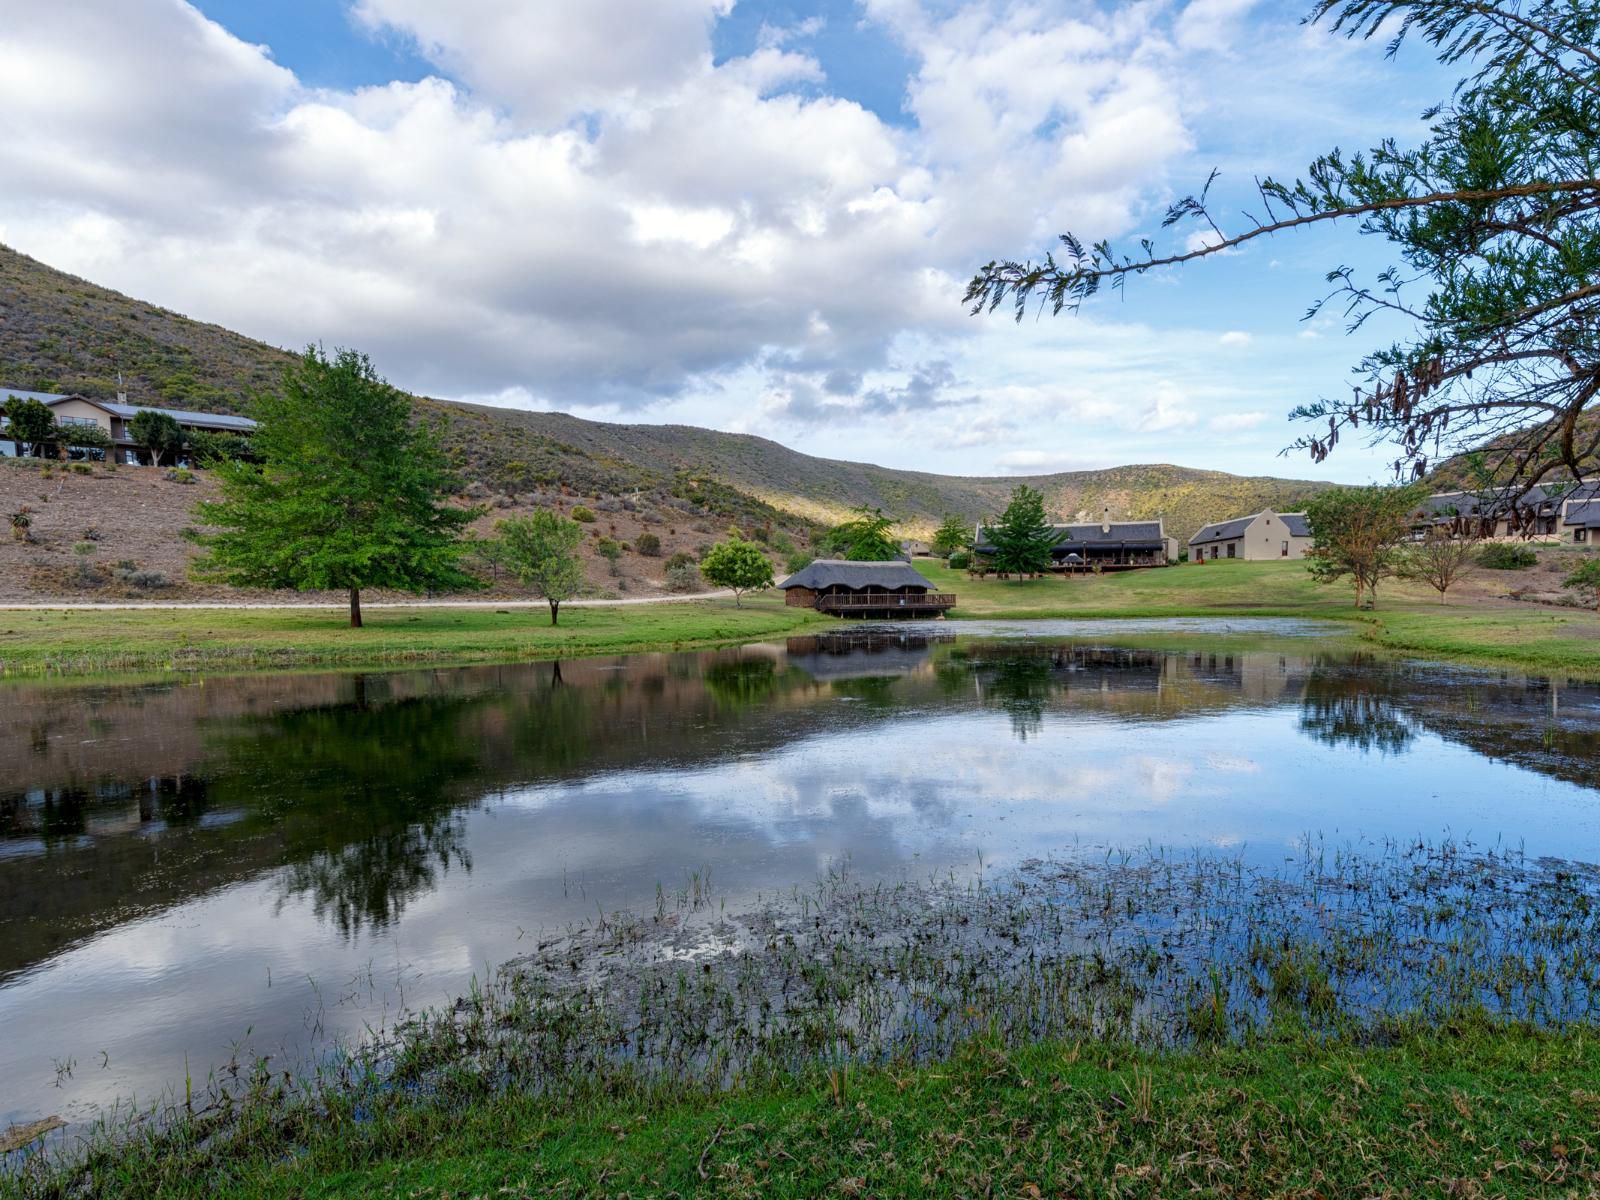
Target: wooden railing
x: 886, y: 600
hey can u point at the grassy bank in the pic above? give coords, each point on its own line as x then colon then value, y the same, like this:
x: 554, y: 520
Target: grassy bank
x: 132, y: 640
x: 1478, y: 625
x: 1477, y: 1110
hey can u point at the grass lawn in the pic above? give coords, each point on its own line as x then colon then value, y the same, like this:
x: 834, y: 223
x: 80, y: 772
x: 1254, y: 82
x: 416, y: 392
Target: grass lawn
x: 1477, y: 1110
x: 128, y: 640
x: 1478, y: 625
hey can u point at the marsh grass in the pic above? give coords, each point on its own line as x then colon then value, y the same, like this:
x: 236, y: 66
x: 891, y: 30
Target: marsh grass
x: 1154, y: 953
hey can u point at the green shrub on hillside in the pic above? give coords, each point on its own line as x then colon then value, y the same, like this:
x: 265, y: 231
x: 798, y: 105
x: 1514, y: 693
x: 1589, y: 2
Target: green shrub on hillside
x: 647, y: 544
x: 1504, y: 556
x: 582, y: 512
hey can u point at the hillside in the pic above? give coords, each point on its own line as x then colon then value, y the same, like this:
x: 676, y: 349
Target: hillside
x: 61, y: 333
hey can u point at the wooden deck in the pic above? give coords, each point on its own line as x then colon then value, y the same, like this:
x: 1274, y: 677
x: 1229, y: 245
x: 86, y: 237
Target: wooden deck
x: 860, y: 604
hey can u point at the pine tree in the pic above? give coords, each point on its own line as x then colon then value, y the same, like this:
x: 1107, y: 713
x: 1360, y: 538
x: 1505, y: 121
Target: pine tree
x: 1021, y: 540
x: 349, y: 493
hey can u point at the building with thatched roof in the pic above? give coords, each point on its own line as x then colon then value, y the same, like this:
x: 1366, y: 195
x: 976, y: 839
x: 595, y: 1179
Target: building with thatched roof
x: 864, y: 589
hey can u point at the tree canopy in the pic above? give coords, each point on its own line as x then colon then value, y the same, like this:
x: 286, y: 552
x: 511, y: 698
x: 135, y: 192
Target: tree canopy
x: 738, y: 566
x: 866, y: 537
x: 350, y: 494
x: 32, y: 424
x: 953, y: 534
x: 156, y: 432
x: 541, y: 550
x: 1356, y: 533
x: 1494, y: 221
x: 1022, y: 538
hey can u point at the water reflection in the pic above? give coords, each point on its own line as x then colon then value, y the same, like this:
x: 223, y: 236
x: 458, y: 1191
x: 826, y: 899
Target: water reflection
x: 310, y: 824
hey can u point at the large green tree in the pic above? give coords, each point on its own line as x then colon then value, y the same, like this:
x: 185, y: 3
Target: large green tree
x: 541, y: 550
x: 1356, y: 534
x: 31, y: 424
x: 866, y: 537
x: 350, y: 493
x: 158, y: 433
x: 1494, y: 223
x: 953, y: 533
x: 738, y: 566
x: 1021, y: 540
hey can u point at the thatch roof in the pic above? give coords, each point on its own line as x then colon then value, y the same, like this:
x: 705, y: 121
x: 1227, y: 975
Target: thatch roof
x: 877, y: 576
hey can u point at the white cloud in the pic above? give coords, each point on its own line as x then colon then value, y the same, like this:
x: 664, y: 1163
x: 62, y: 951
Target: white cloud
x: 1235, y: 422
x: 598, y: 216
x: 1235, y: 337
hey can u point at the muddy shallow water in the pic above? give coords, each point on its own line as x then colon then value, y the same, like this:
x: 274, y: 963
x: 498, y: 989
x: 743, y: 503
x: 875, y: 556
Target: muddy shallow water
x: 196, y: 868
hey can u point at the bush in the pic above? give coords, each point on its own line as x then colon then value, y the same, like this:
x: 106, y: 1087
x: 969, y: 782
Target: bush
x: 129, y: 572
x: 582, y: 513
x: 799, y: 560
x: 960, y: 560
x: 681, y: 559
x: 683, y: 576
x: 648, y: 544
x: 1505, y: 556
x: 178, y: 475
x: 80, y: 468
x: 610, y: 551
x: 84, y: 548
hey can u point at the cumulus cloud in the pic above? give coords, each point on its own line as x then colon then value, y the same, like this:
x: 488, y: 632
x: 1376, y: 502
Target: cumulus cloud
x: 586, y: 210
x: 1235, y: 337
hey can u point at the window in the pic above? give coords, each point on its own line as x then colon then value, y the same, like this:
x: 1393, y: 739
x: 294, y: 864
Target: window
x: 1230, y: 549
x: 1285, y: 551
x: 1580, y: 534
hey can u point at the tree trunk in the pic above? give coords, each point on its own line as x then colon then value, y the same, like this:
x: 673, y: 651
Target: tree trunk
x: 355, y: 608
x: 737, y: 603
x: 555, y: 611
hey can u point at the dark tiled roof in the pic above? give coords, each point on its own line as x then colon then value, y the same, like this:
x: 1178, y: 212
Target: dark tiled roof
x: 831, y: 572
x: 1586, y: 514
x: 1076, y: 537
x: 1223, y: 531
x: 183, y: 417
x: 42, y: 397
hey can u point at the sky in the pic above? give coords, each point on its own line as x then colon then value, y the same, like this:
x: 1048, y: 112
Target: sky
x: 753, y: 215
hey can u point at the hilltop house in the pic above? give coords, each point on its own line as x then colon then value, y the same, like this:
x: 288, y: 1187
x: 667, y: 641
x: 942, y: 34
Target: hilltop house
x: 864, y: 589
x: 1261, y: 538
x: 114, y: 419
x: 1109, y: 545
x: 1555, y: 510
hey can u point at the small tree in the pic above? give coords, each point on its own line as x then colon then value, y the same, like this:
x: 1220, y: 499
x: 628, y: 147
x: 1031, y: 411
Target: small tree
x: 486, y: 554
x: 739, y: 566
x: 1585, y: 577
x: 157, y: 433
x: 32, y: 425
x: 1355, y: 532
x: 953, y: 534
x: 89, y: 438
x: 610, y: 550
x: 1022, y: 538
x: 349, y: 494
x: 866, y: 538
x: 541, y: 550
x: 1439, y: 560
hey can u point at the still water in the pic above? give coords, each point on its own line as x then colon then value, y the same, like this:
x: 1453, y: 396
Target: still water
x: 197, y: 868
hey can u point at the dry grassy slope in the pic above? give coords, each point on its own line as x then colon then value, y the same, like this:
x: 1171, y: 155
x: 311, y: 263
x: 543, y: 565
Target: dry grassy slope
x: 58, y: 332
x: 825, y: 489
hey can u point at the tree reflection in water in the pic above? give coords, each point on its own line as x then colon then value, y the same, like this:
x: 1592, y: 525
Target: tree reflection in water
x: 1342, y: 709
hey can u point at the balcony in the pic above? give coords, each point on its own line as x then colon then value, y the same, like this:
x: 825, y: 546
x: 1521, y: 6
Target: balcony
x: 860, y: 603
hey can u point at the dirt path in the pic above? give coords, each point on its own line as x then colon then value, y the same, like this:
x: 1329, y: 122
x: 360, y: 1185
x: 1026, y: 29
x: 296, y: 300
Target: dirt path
x: 366, y: 606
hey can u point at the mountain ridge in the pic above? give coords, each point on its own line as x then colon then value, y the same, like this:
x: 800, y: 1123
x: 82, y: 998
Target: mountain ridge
x: 59, y: 332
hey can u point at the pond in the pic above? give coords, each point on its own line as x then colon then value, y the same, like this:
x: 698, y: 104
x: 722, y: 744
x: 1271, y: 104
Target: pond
x: 197, y: 869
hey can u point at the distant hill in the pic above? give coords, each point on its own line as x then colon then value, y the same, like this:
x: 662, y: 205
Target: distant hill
x: 61, y: 333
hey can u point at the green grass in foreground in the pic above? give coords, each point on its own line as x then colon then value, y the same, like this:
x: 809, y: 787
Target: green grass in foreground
x: 1473, y: 1110
x: 127, y: 640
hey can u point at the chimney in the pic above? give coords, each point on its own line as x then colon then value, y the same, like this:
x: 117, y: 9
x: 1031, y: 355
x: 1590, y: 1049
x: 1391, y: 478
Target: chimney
x: 1105, y: 519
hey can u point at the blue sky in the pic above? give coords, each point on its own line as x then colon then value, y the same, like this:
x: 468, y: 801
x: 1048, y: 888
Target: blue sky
x: 749, y: 214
